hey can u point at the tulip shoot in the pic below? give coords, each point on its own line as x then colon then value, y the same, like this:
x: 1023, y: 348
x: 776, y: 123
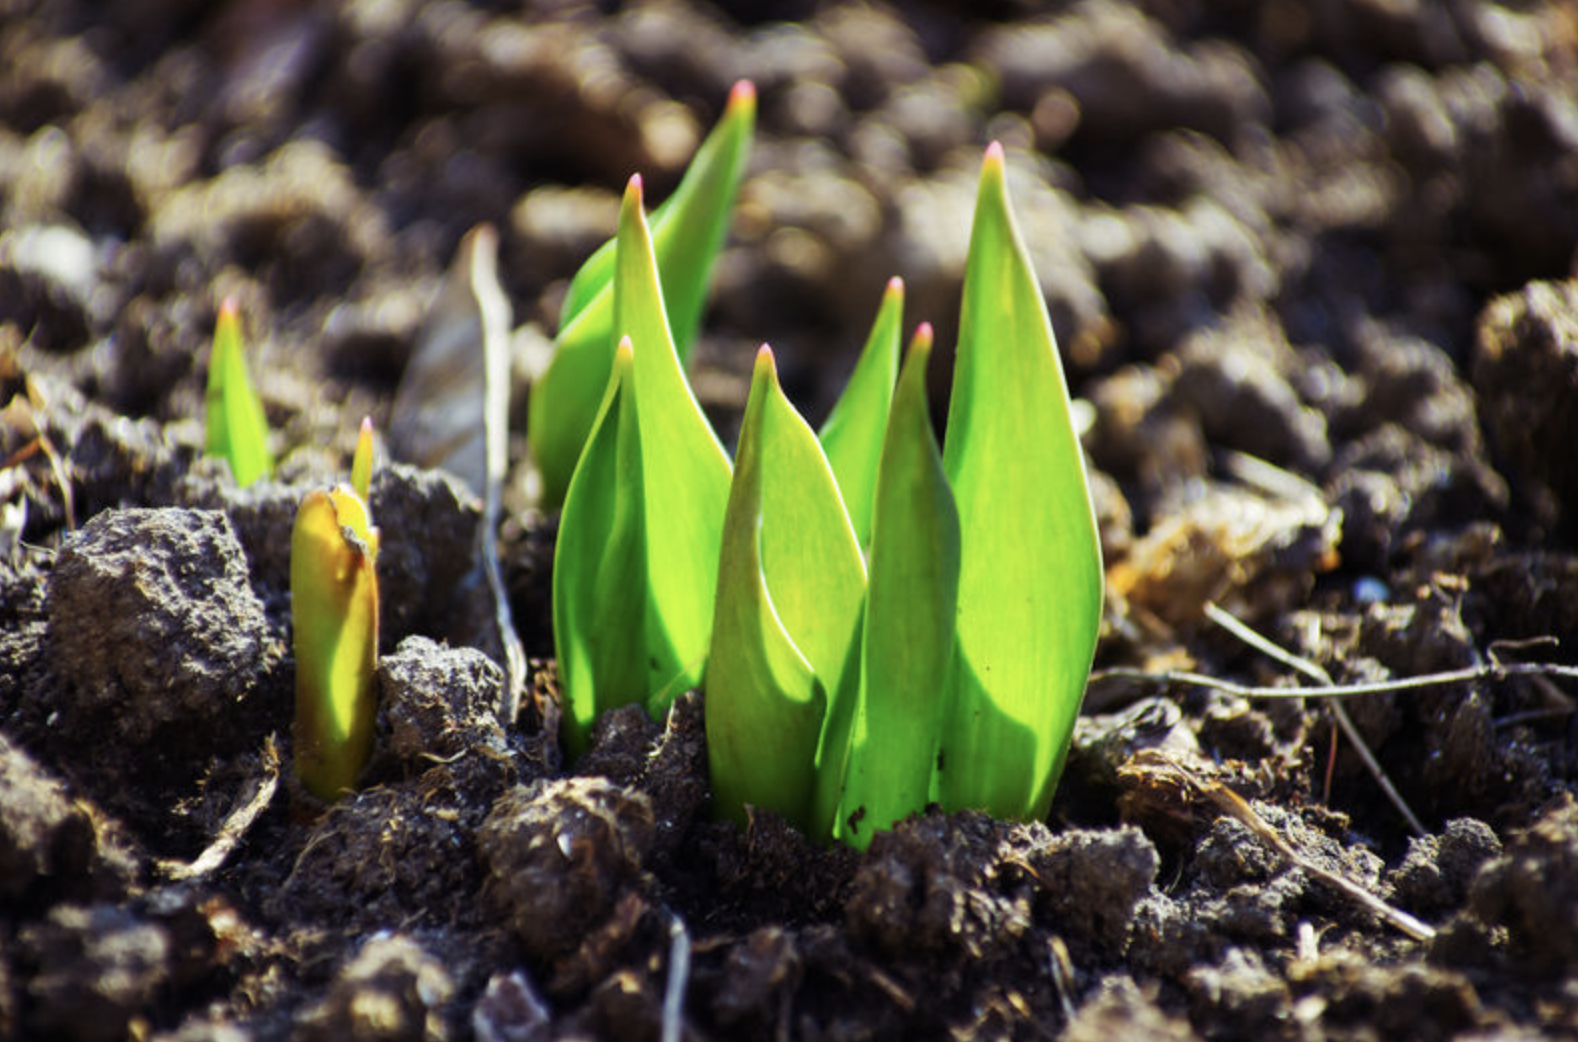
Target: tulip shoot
x: 1030, y: 577
x: 334, y: 616
x: 842, y: 699
x: 237, y: 428
x: 687, y: 233
x: 637, y: 556
x: 790, y: 585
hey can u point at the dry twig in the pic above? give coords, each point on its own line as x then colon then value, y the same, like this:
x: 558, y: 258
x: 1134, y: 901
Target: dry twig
x: 1235, y: 806
x: 235, y: 826
x: 1264, y: 645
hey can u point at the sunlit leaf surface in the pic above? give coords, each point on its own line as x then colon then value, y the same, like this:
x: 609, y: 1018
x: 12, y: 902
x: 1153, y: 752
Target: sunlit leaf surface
x: 1030, y: 579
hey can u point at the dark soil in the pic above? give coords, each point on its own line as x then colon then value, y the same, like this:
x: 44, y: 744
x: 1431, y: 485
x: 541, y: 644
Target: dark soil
x: 1313, y: 264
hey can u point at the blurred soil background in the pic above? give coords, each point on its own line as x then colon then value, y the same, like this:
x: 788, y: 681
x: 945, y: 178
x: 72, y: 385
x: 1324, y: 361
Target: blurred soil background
x: 1311, y: 264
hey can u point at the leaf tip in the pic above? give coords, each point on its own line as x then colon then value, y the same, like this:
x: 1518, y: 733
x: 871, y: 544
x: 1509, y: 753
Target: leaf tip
x: 362, y: 460
x: 742, y: 96
x: 922, y: 339
x: 633, y: 190
x: 994, y: 155
x: 229, y: 310
x: 483, y: 236
x: 625, y: 353
x: 895, y: 288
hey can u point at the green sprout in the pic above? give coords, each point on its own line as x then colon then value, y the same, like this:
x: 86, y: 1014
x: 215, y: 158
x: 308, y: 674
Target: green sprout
x: 890, y: 753
x: 687, y: 232
x: 852, y: 434
x: 334, y: 616
x: 637, y: 555
x: 844, y: 699
x: 1030, y: 576
x: 790, y: 586
x: 237, y: 428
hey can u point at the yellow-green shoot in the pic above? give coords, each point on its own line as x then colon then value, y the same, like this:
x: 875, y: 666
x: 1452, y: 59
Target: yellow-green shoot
x: 637, y: 556
x: 1030, y: 576
x: 237, y: 428
x: 687, y: 232
x: 334, y: 620
x: 790, y: 586
x: 853, y: 432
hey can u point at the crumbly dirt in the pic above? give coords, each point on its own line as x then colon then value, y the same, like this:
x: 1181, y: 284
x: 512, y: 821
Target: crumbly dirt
x: 1314, y: 266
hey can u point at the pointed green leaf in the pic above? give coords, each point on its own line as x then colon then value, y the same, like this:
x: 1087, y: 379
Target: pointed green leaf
x: 637, y: 560
x: 334, y: 635
x: 362, y: 460
x: 237, y: 428
x: 909, y: 620
x: 687, y: 233
x: 600, y: 602
x: 764, y: 702
x: 790, y: 584
x: 688, y: 228
x: 685, y: 472
x: 852, y: 434
x: 1030, y: 579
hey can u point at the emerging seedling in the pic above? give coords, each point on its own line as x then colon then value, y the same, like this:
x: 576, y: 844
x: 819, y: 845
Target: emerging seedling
x: 907, y: 645
x: 843, y: 701
x: 852, y: 434
x: 237, y: 428
x: 687, y: 232
x: 974, y: 632
x: 637, y: 556
x: 334, y: 616
x: 1030, y: 577
x: 790, y: 585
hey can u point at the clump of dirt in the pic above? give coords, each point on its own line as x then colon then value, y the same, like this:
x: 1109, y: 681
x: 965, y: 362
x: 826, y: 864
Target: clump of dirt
x: 155, y: 629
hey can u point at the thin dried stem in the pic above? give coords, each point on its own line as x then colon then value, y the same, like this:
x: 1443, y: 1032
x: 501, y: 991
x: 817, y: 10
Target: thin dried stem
x: 1238, y: 628
x: 235, y: 825
x: 1236, y: 807
x: 678, y: 979
x: 1468, y: 674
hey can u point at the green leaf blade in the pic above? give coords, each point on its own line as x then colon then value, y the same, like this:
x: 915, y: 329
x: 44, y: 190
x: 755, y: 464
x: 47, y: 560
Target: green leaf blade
x: 685, y: 471
x: 237, y: 426
x: 600, y: 607
x: 911, y: 599
x: 1030, y: 582
x: 853, y: 432
x: 687, y: 232
x: 765, y: 701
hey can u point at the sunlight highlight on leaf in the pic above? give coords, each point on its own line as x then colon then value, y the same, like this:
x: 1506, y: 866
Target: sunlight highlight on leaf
x: 1030, y: 580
